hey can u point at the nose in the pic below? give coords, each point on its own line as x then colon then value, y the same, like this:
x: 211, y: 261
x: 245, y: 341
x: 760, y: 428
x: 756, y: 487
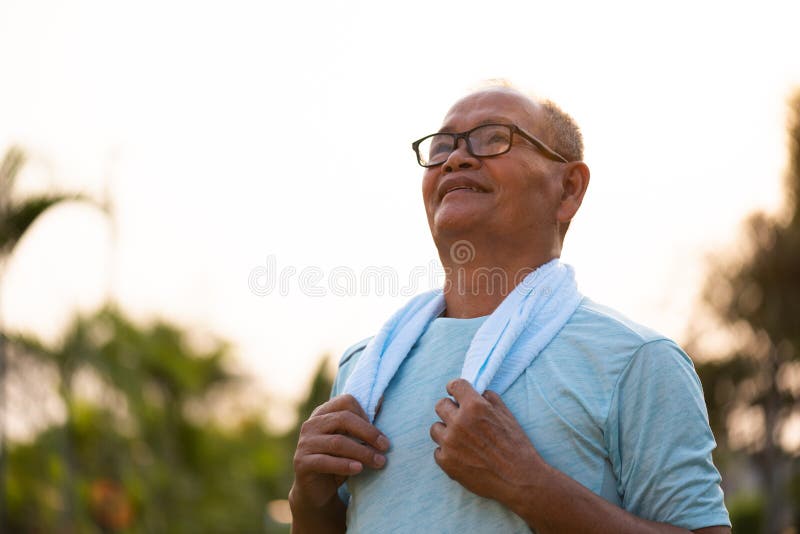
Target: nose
x: 460, y: 158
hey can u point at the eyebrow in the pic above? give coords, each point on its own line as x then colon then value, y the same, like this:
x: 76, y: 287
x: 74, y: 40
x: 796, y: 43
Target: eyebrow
x: 489, y: 120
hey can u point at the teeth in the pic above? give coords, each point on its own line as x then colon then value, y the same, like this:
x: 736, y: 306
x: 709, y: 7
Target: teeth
x: 464, y: 187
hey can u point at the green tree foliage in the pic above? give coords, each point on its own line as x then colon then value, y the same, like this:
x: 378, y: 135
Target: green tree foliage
x: 756, y: 385
x: 144, y: 443
x: 143, y: 447
x: 17, y: 215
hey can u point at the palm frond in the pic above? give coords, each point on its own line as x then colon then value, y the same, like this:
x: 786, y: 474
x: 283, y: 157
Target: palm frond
x: 12, y: 162
x: 20, y: 215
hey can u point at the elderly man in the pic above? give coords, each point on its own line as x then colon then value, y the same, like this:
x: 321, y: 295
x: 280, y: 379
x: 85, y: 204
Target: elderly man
x: 567, y: 417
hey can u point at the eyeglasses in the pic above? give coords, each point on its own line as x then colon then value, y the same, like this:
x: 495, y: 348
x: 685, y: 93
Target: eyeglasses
x: 483, y: 141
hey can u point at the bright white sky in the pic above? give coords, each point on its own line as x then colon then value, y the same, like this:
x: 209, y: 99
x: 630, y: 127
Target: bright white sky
x: 235, y: 134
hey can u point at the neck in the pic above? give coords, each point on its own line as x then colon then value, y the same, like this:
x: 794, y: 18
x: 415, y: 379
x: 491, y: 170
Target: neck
x: 476, y: 284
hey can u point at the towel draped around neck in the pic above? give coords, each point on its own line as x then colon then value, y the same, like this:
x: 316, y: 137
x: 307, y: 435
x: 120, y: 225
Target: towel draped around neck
x: 503, y: 347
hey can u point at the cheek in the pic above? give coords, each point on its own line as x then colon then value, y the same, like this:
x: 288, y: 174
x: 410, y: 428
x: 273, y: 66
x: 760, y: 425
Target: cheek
x: 428, y: 186
x: 528, y: 194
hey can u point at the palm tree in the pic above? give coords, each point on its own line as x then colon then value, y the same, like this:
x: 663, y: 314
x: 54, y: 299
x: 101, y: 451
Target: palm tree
x: 16, y: 217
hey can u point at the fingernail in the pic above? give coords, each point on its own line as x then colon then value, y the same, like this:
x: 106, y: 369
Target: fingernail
x: 383, y: 443
x: 380, y: 460
x: 355, y: 467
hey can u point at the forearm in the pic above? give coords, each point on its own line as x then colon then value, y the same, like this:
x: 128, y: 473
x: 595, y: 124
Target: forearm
x: 307, y: 519
x: 554, y: 502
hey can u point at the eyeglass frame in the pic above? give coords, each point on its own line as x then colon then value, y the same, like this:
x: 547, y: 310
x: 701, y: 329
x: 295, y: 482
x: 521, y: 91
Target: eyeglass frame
x: 543, y: 148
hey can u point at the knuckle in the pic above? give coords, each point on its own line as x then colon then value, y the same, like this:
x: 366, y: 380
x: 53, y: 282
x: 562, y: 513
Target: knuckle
x: 312, y: 464
x: 300, y: 462
x: 447, y: 439
x: 347, y: 416
x: 338, y: 443
x: 474, y: 409
x: 334, y: 419
x: 324, y: 406
x: 443, y: 459
x: 342, y: 420
x: 348, y: 402
x: 307, y: 427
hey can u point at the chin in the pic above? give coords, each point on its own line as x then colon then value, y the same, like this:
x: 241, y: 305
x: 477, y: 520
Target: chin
x: 454, y: 227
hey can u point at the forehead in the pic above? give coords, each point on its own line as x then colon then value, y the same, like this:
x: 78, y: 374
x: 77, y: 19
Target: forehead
x: 492, y: 105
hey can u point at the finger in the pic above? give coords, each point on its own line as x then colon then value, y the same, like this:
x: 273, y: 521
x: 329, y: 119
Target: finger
x: 345, y: 422
x: 441, y: 460
x: 328, y: 465
x: 437, y: 455
x: 343, y: 447
x: 446, y: 409
x: 462, y: 391
x: 496, y: 401
x: 437, y: 432
x: 493, y: 398
x: 339, y: 403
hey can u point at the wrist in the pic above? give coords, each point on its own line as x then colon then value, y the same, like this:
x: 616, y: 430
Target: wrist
x: 327, y: 517
x: 300, y: 503
x: 528, y: 493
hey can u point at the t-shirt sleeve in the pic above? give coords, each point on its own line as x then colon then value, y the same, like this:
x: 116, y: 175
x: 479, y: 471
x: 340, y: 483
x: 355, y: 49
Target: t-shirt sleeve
x: 346, y: 365
x: 660, y: 442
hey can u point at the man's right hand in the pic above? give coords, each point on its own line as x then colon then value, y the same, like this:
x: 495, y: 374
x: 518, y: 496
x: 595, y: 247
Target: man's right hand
x: 337, y: 441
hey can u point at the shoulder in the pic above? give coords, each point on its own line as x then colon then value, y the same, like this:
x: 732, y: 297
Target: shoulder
x: 646, y: 343
x: 601, y: 345
x: 604, y: 321
x: 606, y: 333
x: 354, y: 351
x: 347, y: 364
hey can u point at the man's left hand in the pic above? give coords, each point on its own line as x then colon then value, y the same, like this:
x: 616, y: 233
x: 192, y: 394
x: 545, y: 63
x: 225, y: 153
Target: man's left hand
x: 481, y: 444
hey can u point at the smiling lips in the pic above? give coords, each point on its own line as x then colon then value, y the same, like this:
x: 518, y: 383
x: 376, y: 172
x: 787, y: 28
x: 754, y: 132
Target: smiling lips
x: 459, y: 184
x: 475, y: 189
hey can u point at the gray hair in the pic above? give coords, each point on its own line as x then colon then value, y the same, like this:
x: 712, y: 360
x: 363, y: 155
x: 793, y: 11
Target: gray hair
x: 565, y: 135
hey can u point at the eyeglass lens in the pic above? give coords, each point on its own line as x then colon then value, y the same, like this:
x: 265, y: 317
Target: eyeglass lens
x: 487, y: 140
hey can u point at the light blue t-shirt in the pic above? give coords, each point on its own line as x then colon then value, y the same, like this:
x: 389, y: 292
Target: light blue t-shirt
x: 611, y: 404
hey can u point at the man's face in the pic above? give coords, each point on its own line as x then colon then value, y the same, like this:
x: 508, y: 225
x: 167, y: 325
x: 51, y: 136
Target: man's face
x: 517, y: 192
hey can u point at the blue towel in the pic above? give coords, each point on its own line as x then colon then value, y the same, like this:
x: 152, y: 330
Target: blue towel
x: 502, y: 348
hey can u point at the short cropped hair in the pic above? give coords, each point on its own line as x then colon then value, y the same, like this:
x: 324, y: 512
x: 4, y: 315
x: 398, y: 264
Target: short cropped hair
x: 565, y: 135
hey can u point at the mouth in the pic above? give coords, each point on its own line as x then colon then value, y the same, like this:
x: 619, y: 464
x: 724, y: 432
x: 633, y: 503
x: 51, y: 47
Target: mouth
x: 463, y: 188
x: 462, y: 184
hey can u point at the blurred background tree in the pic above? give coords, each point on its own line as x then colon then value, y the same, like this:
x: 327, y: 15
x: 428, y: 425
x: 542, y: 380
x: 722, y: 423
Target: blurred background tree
x: 133, y: 428
x: 17, y: 215
x: 752, y: 387
x: 153, y: 436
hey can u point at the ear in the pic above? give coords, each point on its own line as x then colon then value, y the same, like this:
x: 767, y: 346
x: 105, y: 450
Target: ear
x: 574, y: 182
